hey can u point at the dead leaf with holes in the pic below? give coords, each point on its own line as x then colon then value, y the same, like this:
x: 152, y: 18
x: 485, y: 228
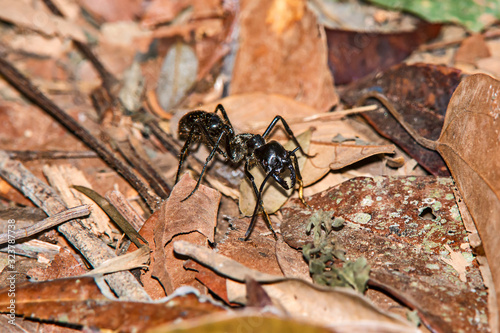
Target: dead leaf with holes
x: 194, y: 220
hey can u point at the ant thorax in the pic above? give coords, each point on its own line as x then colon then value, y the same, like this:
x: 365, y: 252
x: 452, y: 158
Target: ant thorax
x: 243, y: 145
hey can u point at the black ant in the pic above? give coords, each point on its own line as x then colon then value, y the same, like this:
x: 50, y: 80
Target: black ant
x: 218, y: 134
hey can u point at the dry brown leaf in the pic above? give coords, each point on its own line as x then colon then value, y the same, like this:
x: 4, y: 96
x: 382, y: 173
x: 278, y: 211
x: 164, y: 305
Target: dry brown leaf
x: 198, y: 213
x: 283, y: 13
x: 193, y: 219
x: 215, y: 283
x: 303, y: 300
x: 258, y: 252
x: 80, y: 301
x: 293, y: 63
x: 152, y: 286
x: 334, y: 156
x: 64, y: 265
x: 470, y: 145
x: 472, y: 49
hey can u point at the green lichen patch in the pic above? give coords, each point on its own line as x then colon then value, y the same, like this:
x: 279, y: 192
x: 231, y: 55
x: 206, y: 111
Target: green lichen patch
x: 324, y: 256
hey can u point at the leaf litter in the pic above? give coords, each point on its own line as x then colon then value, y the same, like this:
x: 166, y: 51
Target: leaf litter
x: 406, y: 232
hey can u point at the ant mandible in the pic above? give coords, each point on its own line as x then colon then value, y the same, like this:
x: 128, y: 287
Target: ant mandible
x: 218, y: 134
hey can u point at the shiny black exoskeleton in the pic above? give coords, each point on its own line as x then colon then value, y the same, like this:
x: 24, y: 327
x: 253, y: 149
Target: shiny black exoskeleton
x: 218, y: 134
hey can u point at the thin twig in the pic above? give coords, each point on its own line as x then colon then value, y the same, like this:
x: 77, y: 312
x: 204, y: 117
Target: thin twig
x: 147, y: 164
x: 165, y: 139
x: 488, y: 34
x: 23, y: 85
x: 29, y: 155
x: 118, y: 200
x: 329, y: 116
x: 151, y: 177
x: 45, y: 224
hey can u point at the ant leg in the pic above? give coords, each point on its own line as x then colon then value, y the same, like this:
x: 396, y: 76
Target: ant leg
x: 288, y: 131
x: 183, y: 153
x: 224, y: 114
x: 250, y: 176
x: 209, y: 158
x: 299, y: 178
x: 259, y: 204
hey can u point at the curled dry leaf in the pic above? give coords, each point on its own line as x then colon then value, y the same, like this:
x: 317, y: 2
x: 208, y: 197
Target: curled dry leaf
x: 470, y: 145
x: 193, y: 219
x: 335, y: 156
x: 422, y: 93
x: 300, y: 299
x: 303, y: 300
x: 355, y: 54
